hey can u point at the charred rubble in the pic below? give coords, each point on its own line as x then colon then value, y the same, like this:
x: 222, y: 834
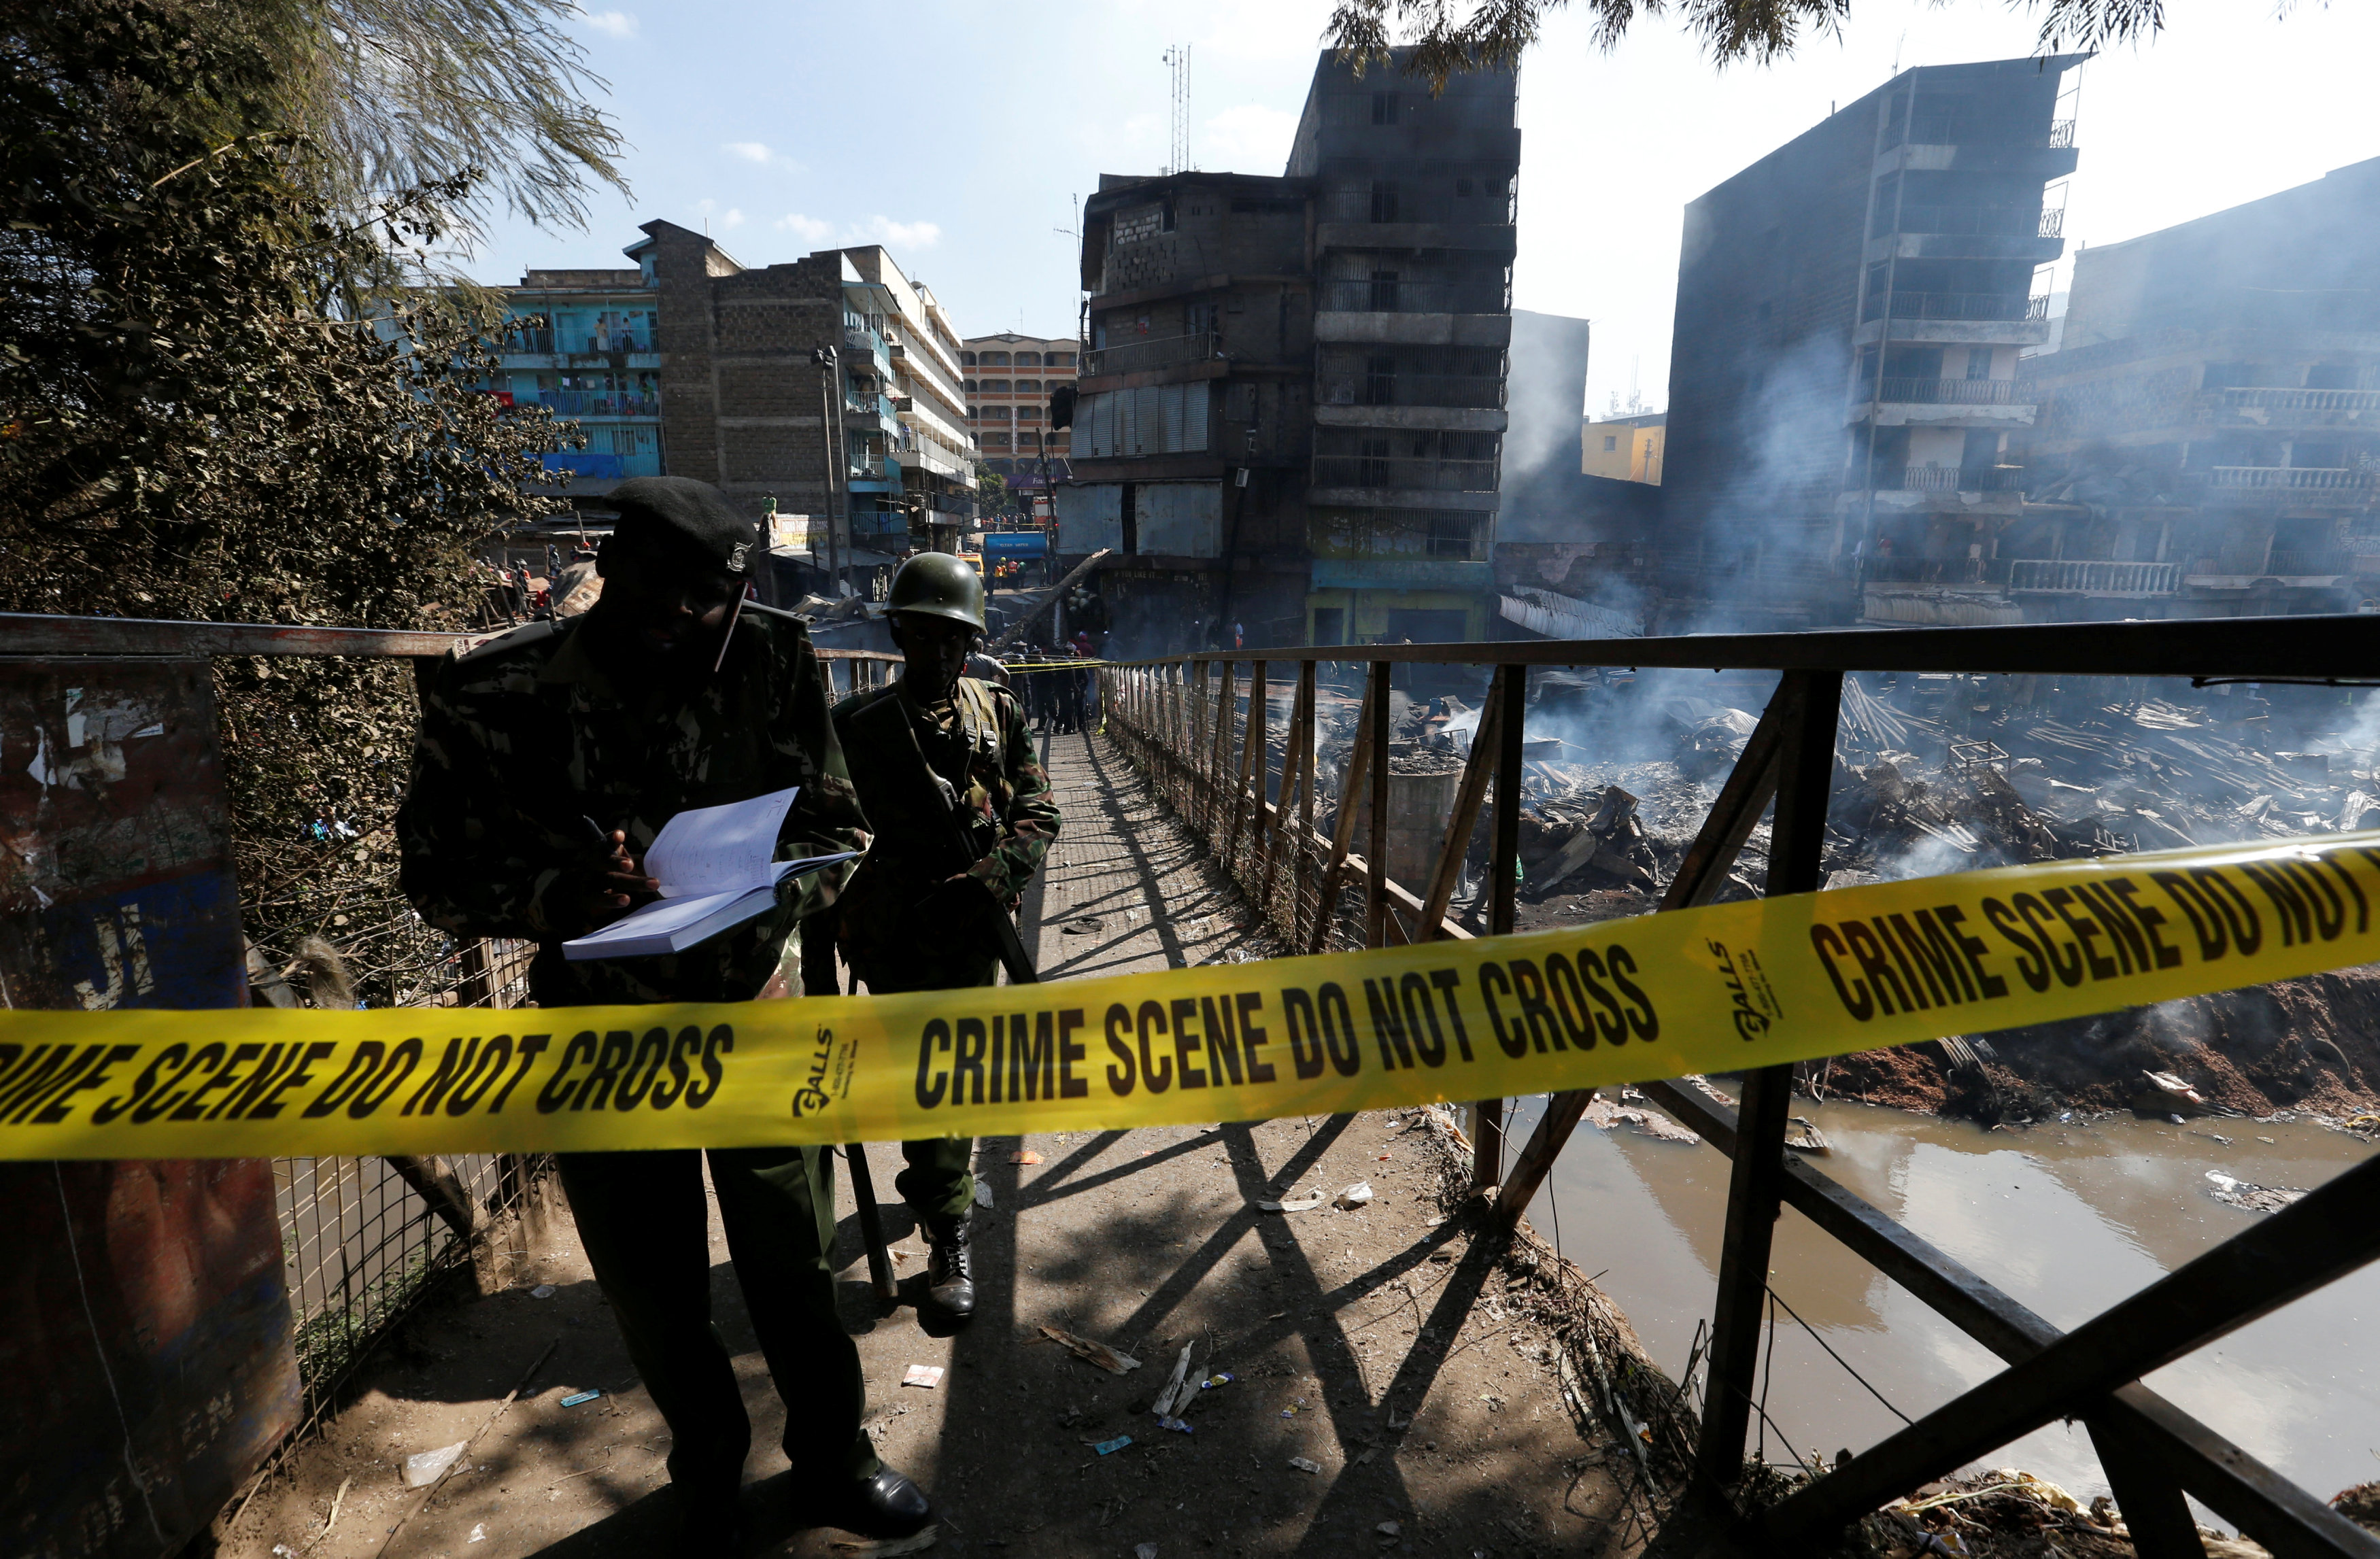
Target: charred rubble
x: 1950, y: 773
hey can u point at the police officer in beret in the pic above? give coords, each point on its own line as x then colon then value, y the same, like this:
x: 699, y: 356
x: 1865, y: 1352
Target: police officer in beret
x: 548, y: 759
x: 946, y: 769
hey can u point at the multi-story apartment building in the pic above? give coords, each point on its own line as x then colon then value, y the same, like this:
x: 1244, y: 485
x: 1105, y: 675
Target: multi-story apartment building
x: 1851, y: 309
x: 1009, y: 381
x: 1291, y: 409
x: 873, y: 439
x: 594, y: 359
x: 2209, y: 438
x: 1414, y: 239
x: 692, y: 365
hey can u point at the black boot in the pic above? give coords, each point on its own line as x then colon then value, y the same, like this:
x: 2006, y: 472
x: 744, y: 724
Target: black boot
x: 950, y: 1283
x: 887, y: 1506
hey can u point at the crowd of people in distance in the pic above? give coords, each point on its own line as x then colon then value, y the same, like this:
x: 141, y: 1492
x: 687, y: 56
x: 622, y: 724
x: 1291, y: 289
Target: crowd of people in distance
x: 1058, y: 700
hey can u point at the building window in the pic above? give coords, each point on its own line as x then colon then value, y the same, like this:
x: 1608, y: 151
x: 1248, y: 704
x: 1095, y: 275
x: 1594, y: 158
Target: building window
x: 1060, y: 360
x: 1384, y: 108
x: 995, y: 441
x: 1028, y: 414
x: 995, y: 387
x: 1611, y: 442
x: 1029, y: 359
x: 1384, y: 200
x: 1028, y: 440
x: 995, y: 359
x: 967, y: 358
x: 967, y: 385
x: 1029, y: 387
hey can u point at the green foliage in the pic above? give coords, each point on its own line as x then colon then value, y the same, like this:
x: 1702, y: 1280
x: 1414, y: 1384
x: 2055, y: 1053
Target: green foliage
x: 1447, y: 40
x: 194, y: 423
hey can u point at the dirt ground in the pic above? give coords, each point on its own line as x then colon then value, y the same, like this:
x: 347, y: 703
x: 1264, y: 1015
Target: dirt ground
x: 1382, y: 1344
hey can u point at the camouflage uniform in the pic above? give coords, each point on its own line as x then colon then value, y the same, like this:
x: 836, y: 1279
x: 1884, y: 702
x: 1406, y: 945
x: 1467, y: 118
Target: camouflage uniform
x: 976, y: 741
x: 521, y: 740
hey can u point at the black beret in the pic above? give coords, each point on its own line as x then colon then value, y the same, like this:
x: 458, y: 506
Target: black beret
x: 689, y: 511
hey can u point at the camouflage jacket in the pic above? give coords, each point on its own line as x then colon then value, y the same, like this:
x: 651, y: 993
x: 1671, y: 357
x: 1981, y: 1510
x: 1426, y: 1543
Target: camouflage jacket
x: 525, y: 737
x: 977, y: 743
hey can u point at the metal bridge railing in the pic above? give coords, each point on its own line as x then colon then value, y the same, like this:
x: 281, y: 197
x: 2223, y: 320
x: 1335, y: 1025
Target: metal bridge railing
x: 1178, y: 722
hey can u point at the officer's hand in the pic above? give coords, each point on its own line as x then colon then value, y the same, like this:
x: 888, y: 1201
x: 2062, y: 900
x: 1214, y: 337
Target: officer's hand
x: 954, y: 903
x: 597, y: 897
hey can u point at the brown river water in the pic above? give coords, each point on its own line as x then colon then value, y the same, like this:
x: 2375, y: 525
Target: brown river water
x: 2070, y: 1219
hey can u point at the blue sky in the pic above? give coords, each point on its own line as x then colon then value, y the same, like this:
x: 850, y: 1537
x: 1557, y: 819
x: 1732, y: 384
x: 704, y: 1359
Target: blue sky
x: 959, y: 136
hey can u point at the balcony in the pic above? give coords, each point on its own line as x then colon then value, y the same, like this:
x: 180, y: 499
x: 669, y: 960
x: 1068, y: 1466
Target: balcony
x: 1387, y: 295
x: 1952, y: 130
x: 1987, y: 307
x: 858, y: 402
x: 1382, y: 205
x: 1360, y: 387
x: 1999, y: 222
x: 2300, y: 565
x: 1949, y: 479
x: 2282, y: 406
x: 599, y: 402
x: 1428, y: 473
x: 1147, y: 354
x: 2086, y: 576
x: 1957, y: 392
x: 2282, y: 481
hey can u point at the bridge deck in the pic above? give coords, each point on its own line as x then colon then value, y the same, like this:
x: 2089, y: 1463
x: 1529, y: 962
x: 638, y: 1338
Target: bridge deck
x: 1372, y: 1344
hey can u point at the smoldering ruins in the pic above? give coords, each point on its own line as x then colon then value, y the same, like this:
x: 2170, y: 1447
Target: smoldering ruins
x: 1934, y: 773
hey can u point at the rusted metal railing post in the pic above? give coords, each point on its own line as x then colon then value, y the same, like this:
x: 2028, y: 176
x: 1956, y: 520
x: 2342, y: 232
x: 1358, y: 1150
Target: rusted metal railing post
x: 1343, y: 832
x: 1226, y: 710
x: 1376, y: 845
x: 1302, y: 864
x: 1293, y: 768
x: 1756, y: 1182
x: 1468, y: 799
x: 1503, y: 892
x: 1252, y: 762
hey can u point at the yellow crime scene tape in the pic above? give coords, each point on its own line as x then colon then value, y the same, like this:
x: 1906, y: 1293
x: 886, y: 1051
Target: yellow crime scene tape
x: 1705, y: 990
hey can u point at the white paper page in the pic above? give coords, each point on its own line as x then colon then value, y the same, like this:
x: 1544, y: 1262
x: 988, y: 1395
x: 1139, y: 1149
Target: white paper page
x: 719, y: 849
x: 657, y: 919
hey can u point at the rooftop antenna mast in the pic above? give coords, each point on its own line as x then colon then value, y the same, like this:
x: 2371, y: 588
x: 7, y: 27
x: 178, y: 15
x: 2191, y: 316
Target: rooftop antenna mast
x: 1177, y: 60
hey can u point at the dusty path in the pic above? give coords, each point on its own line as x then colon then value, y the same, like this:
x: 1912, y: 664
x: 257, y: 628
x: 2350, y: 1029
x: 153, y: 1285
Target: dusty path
x: 1372, y: 1344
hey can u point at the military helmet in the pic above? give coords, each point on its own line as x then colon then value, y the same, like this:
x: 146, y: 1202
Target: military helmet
x: 938, y: 584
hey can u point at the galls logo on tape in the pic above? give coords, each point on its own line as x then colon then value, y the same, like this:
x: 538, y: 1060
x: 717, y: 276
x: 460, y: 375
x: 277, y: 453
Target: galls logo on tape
x: 829, y: 1077
x: 1752, y: 1001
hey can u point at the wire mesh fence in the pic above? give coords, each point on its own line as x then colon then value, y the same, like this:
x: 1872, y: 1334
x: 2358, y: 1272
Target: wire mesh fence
x: 363, y: 1239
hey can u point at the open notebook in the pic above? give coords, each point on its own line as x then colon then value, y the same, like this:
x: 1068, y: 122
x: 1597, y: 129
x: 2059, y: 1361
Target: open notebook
x: 714, y: 867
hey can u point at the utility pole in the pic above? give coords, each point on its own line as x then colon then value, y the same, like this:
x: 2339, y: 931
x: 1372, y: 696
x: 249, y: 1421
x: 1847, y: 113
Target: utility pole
x: 830, y: 434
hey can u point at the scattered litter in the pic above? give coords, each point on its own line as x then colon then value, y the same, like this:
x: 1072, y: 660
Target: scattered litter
x: 575, y: 1398
x: 542, y: 1291
x: 1356, y: 1195
x: 1301, y: 1204
x: 918, y: 1543
x: 1293, y: 1409
x: 478, y: 1532
x: 927, y: 1375
x: 1024, y: 1155
x: 1109, y: 1448
x: 1399, y: 1425
x: 1144, y: 1551
x: 283, y: 1550
x: 2255, y: 1199
x: 1389, y: 1529
x: 427, y: 1467
x: 1305, y: 1464
x: 1221, y: 1377
x: 1176, y: 1387
x: 1179, y: 1426
x: 1106, y: 1358
x: 982, y: 1195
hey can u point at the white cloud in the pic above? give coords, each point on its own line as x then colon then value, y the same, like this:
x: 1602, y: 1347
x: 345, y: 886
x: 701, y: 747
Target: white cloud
x: 875, y: 230
x: 732, y: 218
x: 616, y: 24
x: 903, y: 235
x: 809, y: 229
x: 751, y: 151
x: 1251, y: 138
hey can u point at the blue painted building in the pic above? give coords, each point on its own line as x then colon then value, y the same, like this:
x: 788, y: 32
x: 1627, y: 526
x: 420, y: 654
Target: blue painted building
x: 596, y: 360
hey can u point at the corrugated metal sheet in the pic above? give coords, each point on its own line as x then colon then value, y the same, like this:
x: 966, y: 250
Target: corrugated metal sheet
x: 144, y: 1328
x: 1152, y: 420
x: 1179, y: 519
x: 1090, y: 516
x: 1559, y: 617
